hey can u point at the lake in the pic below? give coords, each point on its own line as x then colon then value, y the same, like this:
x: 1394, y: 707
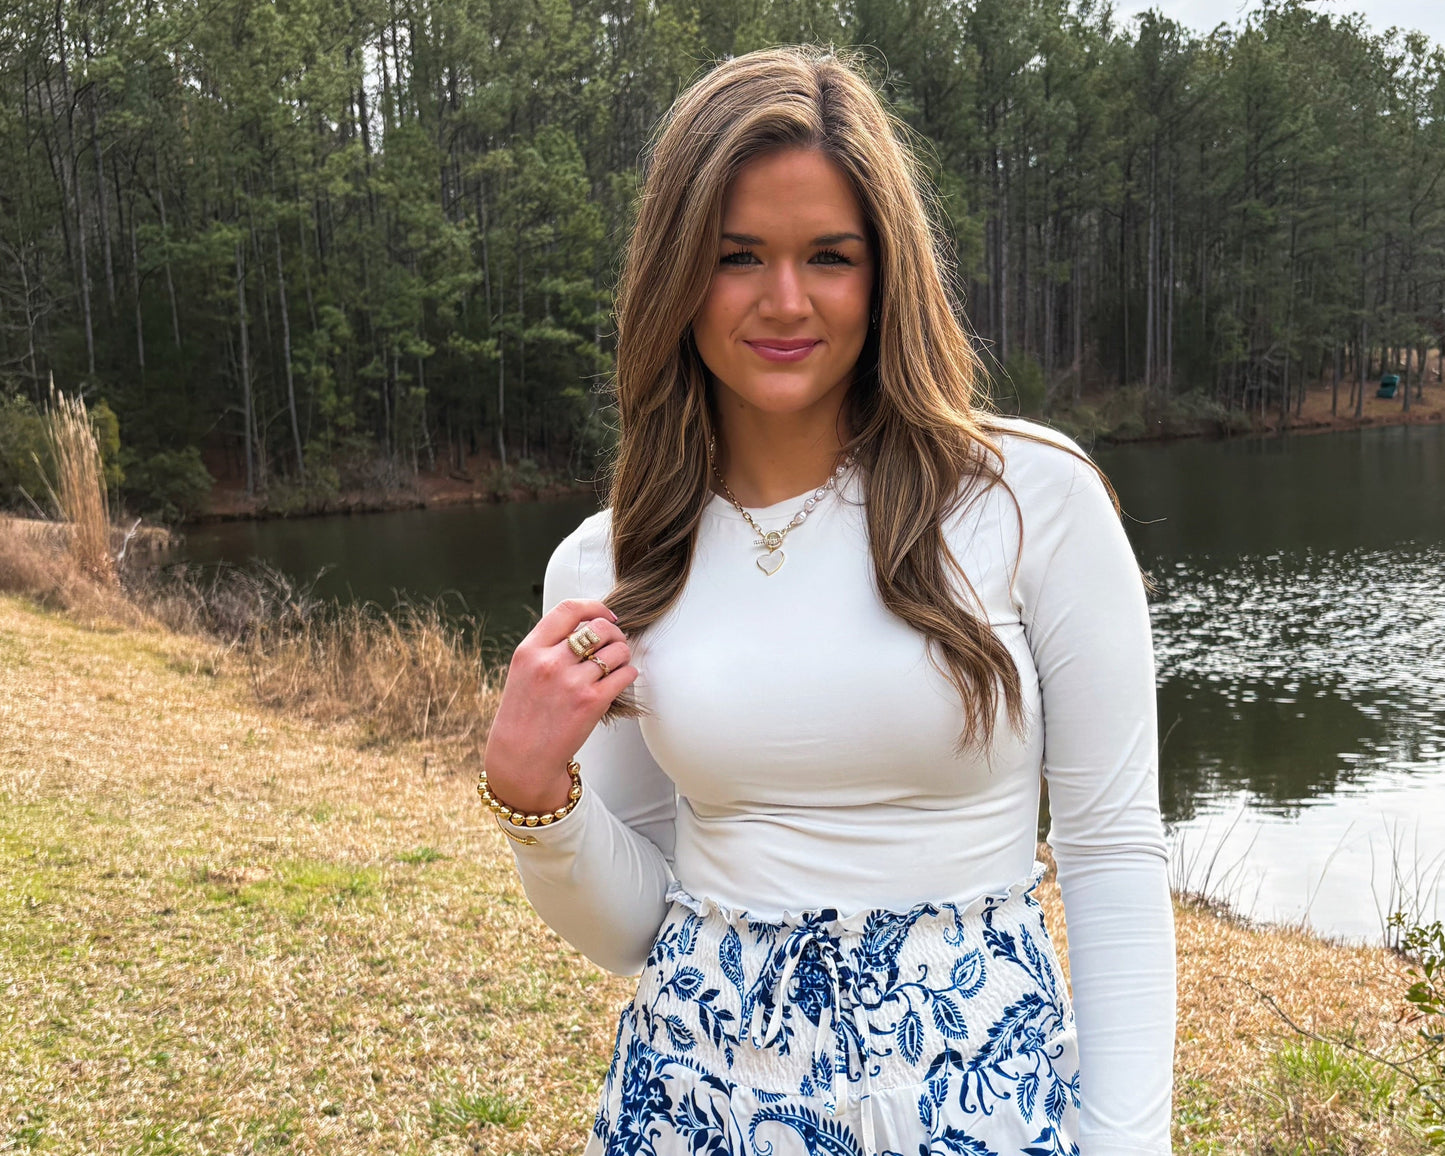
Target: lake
x: 1299, y: 638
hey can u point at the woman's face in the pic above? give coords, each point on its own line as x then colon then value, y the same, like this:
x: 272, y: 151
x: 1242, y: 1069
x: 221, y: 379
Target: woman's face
x: 786, y: 314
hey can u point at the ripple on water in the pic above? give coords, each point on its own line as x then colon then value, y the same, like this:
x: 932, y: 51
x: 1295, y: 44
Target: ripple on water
x: 1302, y: 725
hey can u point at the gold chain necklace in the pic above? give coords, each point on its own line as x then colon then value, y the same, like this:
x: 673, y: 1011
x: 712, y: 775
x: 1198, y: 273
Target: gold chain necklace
x: 772, y: 540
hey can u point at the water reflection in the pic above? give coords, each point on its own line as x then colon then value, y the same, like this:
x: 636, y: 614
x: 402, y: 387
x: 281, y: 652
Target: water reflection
x: 1297, y: 676
x: 1371, y: 489
x: 1299, y: 638
x: 488, y: 559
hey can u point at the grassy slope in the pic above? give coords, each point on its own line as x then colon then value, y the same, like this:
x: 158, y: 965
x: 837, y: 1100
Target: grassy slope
x: 222, y: 931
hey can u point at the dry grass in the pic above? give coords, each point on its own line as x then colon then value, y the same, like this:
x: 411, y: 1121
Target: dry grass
x: 223, y: 929
x: 411, y: 673
x: 414, y: 672
x: 79, y: 486
x: 36, y: 561
x: 226, y: 931
x: 1246, y: 1081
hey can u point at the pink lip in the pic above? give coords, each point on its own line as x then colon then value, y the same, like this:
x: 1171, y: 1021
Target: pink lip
x: 783, y: 349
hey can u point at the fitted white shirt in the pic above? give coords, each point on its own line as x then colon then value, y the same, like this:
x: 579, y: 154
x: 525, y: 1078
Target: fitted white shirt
x: 800, y: 753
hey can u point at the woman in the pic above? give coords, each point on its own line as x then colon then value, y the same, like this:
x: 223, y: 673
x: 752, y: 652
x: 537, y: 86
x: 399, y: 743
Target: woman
x: 835, y: 621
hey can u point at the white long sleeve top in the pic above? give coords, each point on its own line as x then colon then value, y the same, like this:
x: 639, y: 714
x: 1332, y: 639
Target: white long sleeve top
x: 799, y: 754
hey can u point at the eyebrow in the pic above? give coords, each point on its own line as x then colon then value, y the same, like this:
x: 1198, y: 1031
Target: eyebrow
x: 825, y: 239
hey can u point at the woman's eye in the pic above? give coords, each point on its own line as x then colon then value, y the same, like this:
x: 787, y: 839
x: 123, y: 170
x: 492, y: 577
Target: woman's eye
x: 740, y: 257
x: 831, y: 257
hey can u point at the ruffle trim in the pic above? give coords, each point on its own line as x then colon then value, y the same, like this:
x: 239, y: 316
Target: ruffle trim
x: 856, y: 923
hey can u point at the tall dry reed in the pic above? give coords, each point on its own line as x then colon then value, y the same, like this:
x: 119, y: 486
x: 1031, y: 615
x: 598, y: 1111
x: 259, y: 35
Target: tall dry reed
x: 79, y: 487
x: 412, y: 672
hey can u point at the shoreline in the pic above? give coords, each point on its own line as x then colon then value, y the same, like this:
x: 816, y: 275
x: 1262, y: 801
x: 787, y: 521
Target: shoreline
x: 237, y: 508
x: 441, y: 490
x: 213, y: 894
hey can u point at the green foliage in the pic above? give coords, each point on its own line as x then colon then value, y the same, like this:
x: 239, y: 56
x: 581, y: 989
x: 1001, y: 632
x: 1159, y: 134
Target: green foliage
x: 1026, y: 378
x: 502, y: 482
x: 107, y: 437
x: 24, y: 453
x: 1337, y: 1076
x: 167, y: 485
x: 301, y: 249
x: 463, y: 1111
x: 420, y: 855
x: 316, y: 492
x: 1425, y: 945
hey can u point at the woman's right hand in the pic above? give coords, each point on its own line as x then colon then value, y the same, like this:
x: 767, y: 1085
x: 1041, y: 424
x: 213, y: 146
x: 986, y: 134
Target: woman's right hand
x: 551, y: 702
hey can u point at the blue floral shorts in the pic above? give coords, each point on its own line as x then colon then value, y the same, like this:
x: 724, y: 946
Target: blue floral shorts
x: 927, y: 1032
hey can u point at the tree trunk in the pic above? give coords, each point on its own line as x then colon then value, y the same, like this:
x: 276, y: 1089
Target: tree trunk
x: 1003, y: 279
x: 1169, y: 308
x: 286, y: 353
x: 140, y: 337
x: 1405, y: 381
x: 1078, y: 312
x: 103, y: 206
x: 245, y: 369
x: 77, y: 196
x: 166, y: 241
x: 1335, y: 384
x: 522, y: 342
x: 1362, y: 365
x: 501, y: 376
x: 1151, y: 281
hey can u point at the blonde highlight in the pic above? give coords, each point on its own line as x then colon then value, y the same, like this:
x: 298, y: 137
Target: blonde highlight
x: 919, y: 427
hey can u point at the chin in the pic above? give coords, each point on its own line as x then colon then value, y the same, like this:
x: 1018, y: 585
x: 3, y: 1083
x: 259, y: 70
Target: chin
x: 783, y: 393
x: 782, y: 404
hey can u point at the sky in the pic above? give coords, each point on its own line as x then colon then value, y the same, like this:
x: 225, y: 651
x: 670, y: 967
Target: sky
x: 1428, y: 16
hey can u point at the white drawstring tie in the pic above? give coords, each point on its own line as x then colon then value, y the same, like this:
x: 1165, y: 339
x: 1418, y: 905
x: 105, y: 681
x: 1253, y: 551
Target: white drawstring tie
x: 786, y: 960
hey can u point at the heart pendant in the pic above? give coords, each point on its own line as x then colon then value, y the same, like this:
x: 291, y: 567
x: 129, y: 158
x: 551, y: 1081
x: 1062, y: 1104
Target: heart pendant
x: 771, y: 562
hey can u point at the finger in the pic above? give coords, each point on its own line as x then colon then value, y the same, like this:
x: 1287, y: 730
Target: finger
x: 606, y: 630
x: 566, y: 616
x: 615, y: 655
x: 615, y: 683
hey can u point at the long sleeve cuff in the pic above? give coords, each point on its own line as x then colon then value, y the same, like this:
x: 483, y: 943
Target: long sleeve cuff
x: 597, y: 883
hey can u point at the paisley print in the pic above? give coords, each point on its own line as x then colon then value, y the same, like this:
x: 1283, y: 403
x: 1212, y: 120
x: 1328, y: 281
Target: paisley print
x: 929, y: 1032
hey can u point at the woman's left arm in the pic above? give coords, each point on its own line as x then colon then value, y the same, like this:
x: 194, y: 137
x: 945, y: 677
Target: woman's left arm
x: 1087, y: 622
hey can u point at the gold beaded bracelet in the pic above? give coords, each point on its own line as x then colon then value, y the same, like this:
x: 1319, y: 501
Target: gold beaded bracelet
x: 507, y: 818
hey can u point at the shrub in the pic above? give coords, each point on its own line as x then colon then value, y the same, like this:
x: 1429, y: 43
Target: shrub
x: 169, y: 485
x: 499, y: 482
x: 107, y: 436
x: 1425, y: 945
x: 529, y: 476
x: 1023, y: 372
x: 1123, y: 413
x: 22, y: 442
x: 1080, y: 422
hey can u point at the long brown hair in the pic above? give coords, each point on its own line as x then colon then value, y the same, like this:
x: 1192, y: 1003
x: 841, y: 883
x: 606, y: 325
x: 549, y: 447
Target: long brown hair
x: 919, y: 428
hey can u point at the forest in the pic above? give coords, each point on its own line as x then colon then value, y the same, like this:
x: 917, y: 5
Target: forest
x: 317, y: 244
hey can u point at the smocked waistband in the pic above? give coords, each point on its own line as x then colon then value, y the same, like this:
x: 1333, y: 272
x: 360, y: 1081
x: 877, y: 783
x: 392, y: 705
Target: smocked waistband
x: 857, y: 923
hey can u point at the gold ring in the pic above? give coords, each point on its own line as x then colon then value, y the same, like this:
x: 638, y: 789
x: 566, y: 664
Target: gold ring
x: 584, y: 640
x: 606, y: 670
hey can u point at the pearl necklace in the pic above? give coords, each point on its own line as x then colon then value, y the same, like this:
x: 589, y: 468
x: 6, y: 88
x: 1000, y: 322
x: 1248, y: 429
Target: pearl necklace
x: 772, y: 540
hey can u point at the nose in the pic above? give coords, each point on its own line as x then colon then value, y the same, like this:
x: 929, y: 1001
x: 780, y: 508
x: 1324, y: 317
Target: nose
x: 784, y: 296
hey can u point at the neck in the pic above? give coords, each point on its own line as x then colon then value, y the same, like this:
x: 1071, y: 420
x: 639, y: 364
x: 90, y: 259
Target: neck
x: 766, y: 459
